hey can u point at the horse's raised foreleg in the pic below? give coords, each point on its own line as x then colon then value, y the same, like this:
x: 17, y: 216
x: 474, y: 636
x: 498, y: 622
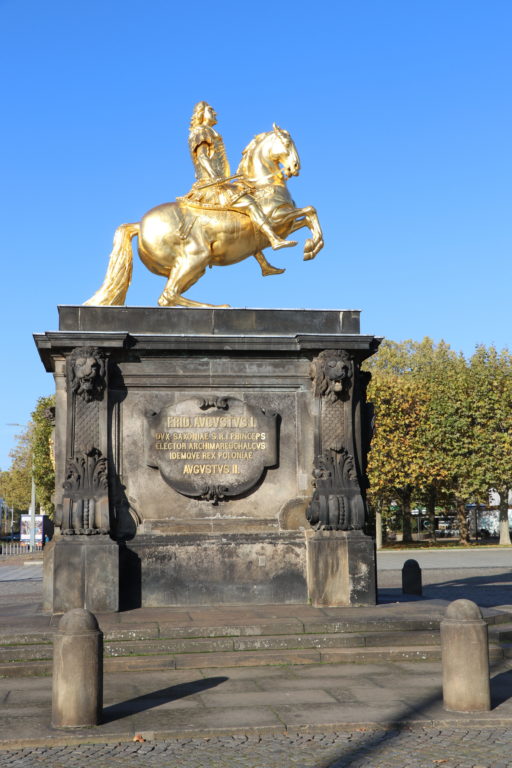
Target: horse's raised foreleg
x: 188, y: 267
x: 304, y: 217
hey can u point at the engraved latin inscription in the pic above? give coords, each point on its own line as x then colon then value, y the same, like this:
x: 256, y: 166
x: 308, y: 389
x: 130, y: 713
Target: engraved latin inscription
x: 198, y: 445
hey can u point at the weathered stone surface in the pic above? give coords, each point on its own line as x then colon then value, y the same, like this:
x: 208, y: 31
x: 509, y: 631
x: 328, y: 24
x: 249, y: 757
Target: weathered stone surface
x: 77, y: 692
x: 234, y: 568
x: 341, y: 568
x: 81, y: 572
x: 166, y: 645
x: 207, y: 321
x: 190, y: 532
x: 247, y: 659
x: 465, y: 655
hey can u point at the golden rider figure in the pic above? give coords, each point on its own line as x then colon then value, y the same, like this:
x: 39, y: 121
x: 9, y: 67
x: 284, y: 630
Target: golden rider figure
x: 213, y: 176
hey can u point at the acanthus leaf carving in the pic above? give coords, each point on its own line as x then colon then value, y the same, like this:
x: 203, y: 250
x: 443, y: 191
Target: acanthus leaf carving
x: 337, y: 503
x: 85, y: 500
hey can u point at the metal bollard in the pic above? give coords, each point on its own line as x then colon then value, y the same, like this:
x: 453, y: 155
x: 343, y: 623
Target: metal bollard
x: 465, y: 655
x: 77, y: 691
x: 411, y: 578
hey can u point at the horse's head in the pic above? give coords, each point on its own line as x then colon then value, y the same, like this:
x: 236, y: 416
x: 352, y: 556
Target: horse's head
x: 271, y: 154
x: 284, y: 152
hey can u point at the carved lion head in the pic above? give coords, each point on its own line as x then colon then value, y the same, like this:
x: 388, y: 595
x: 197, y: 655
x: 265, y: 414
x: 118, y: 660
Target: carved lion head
x: 332, y: 371
x: 86, y: 366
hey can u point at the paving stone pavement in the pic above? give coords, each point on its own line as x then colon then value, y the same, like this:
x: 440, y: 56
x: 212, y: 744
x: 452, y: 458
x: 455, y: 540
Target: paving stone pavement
x: 365, y: 748
x: 339, y: 712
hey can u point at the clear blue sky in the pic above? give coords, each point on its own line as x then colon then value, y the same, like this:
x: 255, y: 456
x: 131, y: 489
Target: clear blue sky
x: 401, y: 112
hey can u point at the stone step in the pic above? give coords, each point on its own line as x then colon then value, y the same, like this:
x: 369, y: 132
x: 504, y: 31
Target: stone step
x: 270, y: 642
x: 160, y: 630
x: 501, y: 632
x: 499, y: 625
x: 33, y: 652
x: 279, y: 627
x: 221, y: 659
x: 507, y: 650
x: 25, y: 653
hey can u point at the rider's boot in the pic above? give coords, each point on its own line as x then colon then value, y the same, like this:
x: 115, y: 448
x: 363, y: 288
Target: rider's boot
x: 275, y: 241
x: 266, y: 268
x: 261, y: 222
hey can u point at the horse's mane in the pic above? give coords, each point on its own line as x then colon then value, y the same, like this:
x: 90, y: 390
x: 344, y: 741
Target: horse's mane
x: 248, y: 152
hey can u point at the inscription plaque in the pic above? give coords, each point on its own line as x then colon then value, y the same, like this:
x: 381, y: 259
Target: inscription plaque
x: 212, y: 448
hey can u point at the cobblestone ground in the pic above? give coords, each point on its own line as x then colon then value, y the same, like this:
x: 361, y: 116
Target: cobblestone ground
x: 417, y: 747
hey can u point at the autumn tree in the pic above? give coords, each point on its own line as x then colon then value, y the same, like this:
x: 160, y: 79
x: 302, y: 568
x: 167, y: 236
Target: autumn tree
x: 31, y: 457
x: 447, y: 432
x: 15, y: 483
x: 491, y: 395
x: 458, y: 444
x: 42, y: 452
x: 395, y: 461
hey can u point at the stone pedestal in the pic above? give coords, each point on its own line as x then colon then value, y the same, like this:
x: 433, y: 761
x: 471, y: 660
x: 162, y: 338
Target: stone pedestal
x: 341, y: 568
x: 81, y: 572
x: 206, y: 569
x: 207, y: 443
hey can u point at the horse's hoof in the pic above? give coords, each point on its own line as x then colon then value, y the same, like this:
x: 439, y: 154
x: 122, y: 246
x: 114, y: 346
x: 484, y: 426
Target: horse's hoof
x: 167, y: 299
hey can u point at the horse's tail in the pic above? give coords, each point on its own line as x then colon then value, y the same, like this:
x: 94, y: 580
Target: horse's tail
x: 119, y: 270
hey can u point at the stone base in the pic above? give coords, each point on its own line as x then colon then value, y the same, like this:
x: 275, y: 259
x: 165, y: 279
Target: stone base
x: 81, y: 572
x: 204, y: 569
x: 209, y: 423
x: 341, y: 568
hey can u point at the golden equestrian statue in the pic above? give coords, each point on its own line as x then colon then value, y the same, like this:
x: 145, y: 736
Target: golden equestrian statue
x: 222, y: 220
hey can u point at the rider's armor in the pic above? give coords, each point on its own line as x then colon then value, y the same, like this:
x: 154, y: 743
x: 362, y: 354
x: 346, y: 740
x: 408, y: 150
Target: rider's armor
x: 222, y: 194
x: 205, y: 134
x: 209, y: 192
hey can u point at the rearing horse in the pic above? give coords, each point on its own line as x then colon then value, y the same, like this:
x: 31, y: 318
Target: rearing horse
x: 180, y: 240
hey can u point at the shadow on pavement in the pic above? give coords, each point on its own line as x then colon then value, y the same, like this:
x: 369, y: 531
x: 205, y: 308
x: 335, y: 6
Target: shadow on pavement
x: 501, y: 688
x: 485, y: 590
x: 368, y: 747
x: 156, y: 698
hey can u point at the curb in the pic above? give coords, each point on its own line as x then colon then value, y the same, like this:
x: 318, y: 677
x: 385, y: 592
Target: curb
x: 60, y: 739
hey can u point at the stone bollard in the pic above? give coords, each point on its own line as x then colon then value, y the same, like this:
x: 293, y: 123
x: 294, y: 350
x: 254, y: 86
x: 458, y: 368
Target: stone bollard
x: 411, y: 578
x: 77, y: 694
x: 465, y: 654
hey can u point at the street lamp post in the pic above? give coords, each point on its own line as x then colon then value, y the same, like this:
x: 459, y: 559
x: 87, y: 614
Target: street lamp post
x: 33, y: 513
x: 32, y: 541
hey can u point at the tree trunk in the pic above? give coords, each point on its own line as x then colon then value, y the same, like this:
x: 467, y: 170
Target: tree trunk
x: 504, y: 527
x: 378, y: 528
x: 405, y: 499
x: 431, y: 510
x: 462, y: 522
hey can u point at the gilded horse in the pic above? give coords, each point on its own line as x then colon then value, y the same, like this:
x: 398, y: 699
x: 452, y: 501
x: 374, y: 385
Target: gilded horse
x: 180, y: 240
